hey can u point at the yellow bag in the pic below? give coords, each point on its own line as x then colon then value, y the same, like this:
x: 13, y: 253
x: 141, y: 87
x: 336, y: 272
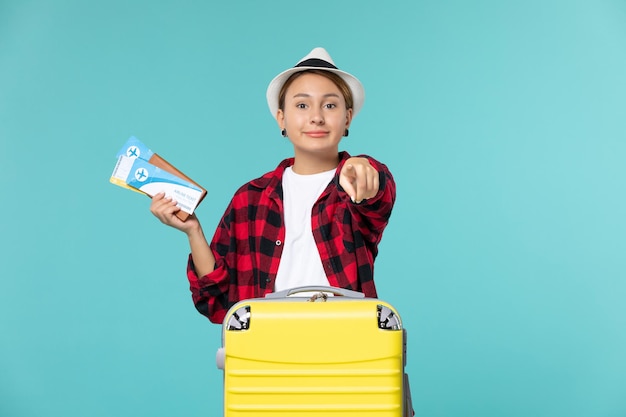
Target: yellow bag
x: 330, y: 353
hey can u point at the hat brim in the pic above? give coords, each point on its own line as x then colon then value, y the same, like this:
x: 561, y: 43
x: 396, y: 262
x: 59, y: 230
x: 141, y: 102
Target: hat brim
x: 273, y: 90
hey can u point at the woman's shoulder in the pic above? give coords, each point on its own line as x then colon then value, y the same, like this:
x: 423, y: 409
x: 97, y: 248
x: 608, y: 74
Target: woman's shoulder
x: 268, y: 181
x: 260, y: 183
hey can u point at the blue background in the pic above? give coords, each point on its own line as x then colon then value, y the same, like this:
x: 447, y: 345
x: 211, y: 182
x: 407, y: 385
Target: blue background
x: 503, y: 123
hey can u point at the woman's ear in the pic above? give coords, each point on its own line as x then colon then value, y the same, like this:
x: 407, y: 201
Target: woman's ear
x: 280, y: 118
x: 348, y: 118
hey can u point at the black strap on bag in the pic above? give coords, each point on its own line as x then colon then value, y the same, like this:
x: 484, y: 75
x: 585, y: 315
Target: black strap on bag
x: 408, y: 402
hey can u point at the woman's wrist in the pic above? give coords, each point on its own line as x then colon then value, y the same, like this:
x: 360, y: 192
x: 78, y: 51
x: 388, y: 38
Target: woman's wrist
x: 195, y: 233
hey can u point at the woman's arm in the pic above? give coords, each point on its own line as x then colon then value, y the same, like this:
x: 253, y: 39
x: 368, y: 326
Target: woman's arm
x: 165, y: 209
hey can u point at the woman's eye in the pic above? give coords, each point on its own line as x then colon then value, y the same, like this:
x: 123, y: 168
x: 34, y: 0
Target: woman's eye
x: 330, y: 105
x: 301, y: 106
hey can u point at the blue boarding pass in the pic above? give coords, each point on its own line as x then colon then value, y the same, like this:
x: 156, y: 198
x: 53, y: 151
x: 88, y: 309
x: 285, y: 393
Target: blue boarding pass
x: 152, y: 180
x: 134, y: 171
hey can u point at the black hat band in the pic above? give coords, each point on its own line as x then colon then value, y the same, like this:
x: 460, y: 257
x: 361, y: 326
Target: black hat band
x: 315, y: 62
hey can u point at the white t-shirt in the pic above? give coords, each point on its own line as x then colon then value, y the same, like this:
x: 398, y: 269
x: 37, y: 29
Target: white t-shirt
x: 300, y: 262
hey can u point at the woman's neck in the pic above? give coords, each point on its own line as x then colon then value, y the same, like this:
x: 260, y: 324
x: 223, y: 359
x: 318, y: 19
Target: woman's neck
x: 307, y: 164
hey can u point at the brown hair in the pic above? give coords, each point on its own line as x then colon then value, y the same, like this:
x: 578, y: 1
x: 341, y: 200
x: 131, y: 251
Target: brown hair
x: 336, y: 79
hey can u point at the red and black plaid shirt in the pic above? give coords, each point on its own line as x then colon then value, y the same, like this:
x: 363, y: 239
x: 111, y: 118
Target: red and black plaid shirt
x: 248, y: 242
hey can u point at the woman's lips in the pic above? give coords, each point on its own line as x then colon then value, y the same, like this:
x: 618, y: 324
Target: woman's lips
x: 316, y: 133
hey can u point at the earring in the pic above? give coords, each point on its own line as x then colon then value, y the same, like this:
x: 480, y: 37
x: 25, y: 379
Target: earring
x: 346, y: 133
x: 284, y: 133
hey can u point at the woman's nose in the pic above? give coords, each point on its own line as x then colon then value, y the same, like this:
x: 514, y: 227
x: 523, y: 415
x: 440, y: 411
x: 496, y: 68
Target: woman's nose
x: 317, y: 118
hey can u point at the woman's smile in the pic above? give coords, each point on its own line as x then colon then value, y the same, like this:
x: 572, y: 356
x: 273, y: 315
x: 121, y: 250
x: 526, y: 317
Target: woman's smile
x: 316, y: 133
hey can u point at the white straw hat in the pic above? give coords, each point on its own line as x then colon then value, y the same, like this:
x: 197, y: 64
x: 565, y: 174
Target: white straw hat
x: 319, y: 59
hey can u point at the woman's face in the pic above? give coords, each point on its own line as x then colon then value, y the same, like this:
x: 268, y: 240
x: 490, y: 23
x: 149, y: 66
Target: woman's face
x: 315, y: 115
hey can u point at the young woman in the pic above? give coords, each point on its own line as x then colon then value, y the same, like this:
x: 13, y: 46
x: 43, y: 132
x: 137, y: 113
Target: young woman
x: 316, y: 219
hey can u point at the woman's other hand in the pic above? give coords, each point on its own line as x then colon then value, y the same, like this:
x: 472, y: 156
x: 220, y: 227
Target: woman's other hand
x: 359, y: 179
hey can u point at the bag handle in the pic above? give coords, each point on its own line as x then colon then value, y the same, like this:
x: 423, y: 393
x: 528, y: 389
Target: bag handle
x: 320, y: 288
